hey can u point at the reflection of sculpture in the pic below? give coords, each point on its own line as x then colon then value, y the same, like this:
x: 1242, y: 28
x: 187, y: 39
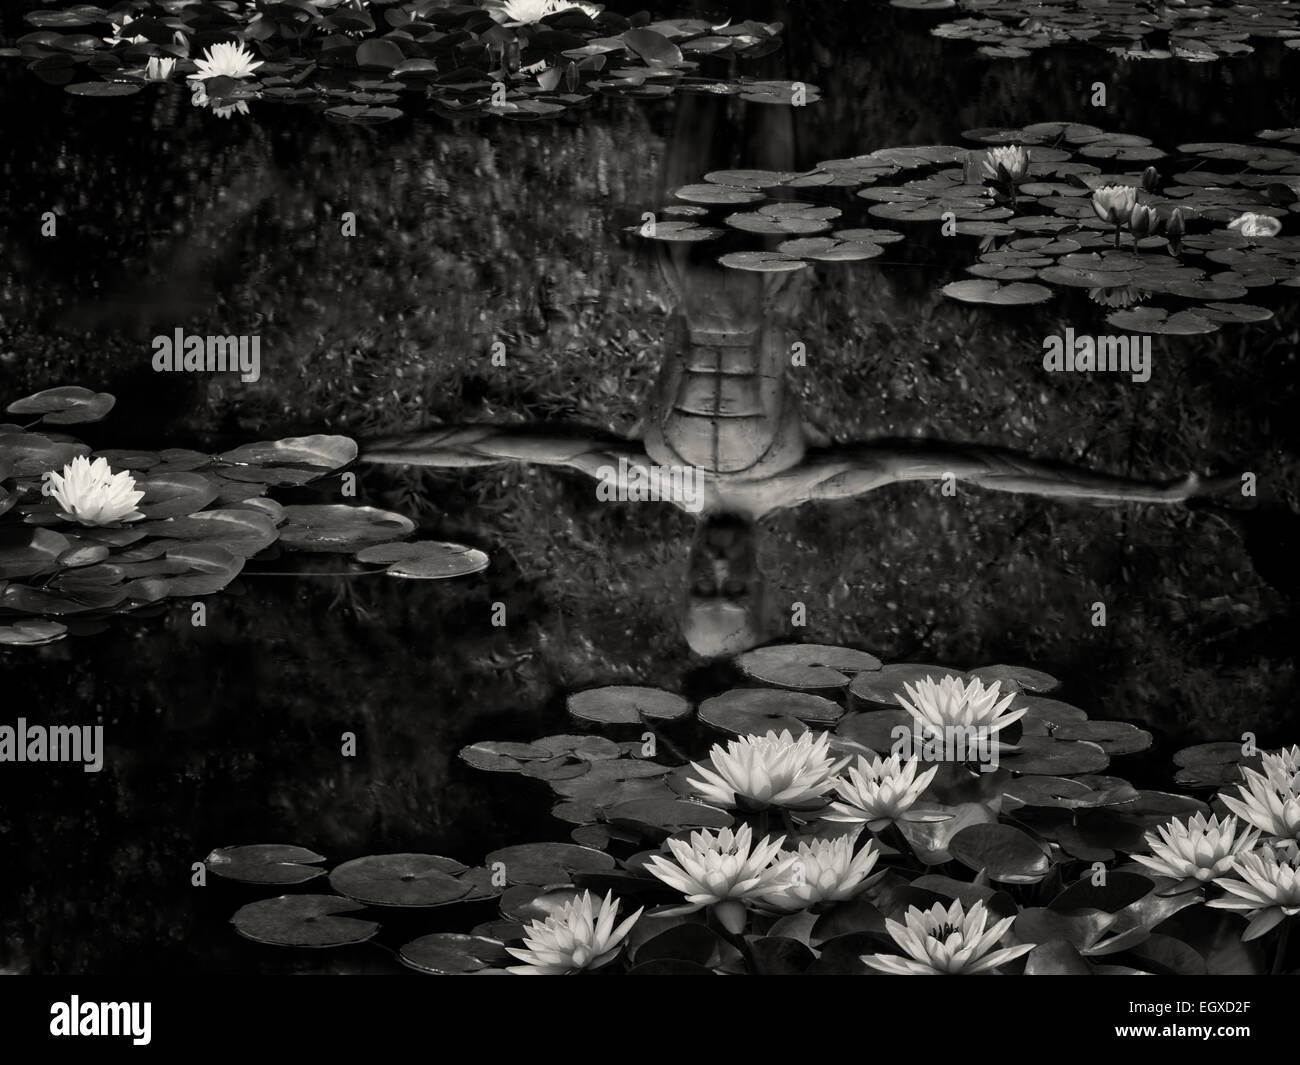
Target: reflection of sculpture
x: 721, y: 410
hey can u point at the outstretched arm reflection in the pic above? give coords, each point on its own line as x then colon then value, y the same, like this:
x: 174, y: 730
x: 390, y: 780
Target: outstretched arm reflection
x: 856, y: 469
x: 460, y: 446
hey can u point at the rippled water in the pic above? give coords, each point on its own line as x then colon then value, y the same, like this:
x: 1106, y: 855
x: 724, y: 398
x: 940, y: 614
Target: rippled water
x: 483, y: 231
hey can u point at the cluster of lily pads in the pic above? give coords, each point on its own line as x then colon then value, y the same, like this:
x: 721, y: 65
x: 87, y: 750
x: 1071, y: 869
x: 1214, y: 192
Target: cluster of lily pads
x: 367, y: 64
x: 85, y: 534
x: 1198, y: 33
x: 1193, y: 232
x: 812, y: 842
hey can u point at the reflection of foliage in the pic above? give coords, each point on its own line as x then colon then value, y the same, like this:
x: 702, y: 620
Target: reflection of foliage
x: 776, y: 873
x: 1052, y: 224
x: 460, y: 61
x: 1012, y: 29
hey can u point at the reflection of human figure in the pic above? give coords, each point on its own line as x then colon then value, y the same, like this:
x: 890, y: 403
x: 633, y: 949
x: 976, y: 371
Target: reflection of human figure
x: 722, y: 409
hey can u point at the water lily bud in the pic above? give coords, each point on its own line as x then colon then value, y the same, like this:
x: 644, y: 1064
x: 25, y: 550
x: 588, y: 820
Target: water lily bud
x: 1175, y: 227
x: 1150, y: 179
x: 1142, y: 220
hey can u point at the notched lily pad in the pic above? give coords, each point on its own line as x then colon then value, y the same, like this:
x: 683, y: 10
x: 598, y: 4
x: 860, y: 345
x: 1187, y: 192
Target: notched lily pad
x: 265, y: 863
x: 303, y: 921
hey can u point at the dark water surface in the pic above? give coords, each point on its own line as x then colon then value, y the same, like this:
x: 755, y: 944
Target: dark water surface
x: 489, y: 230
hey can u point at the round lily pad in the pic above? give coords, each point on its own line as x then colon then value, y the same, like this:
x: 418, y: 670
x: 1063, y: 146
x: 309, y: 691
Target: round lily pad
x: 748, y: 711
x: 627, y: 705
x: 766, y: 262
x: 426, y: 559
x: 1017, y: 678
x: 986, y: 290
x: 340, y: 528
x: 1113, y: 737
x: 453, y: 953
x: 548, y: 863
x: 1045, y: 756
x: 880, y: 688
x: 672, y: 815
x: 1007, y: 854
x: 400, y: 880
x: 806, y: 665
x: 874, y: 729
x: 265, y: 863
x: 303, y: 921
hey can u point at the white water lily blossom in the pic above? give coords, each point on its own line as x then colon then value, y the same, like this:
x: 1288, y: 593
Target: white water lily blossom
x: 1265, y: 886
x: 878, y: 791
x: 1283, y: 766
x: 771, y: 770
x: 1196, y: 849
x: 1012, y: 158
x: 822, y: 870
x: 722, y: 871
x: 946, y: 942
x: 92, y: 494
x: 937, y: 705
x: 158, y: 69
x: 526, y: 12
x: 1254, y: 225
x: 1114, y: 203
x: 581, y: 936
x: 1269, y: 802
x: 226, y: 60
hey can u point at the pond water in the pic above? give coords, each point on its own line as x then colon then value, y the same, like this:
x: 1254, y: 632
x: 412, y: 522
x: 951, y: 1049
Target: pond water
x: 383, y: 265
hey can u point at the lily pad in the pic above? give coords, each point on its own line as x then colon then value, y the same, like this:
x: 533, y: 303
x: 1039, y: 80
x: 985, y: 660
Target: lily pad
x: 338, y: 527
x: 65, y: 405
x: 453, y: 953
x: 806, y: 665
x: 627, y: 705
x: 746, y: 711
x: 1007, y: 854
x: 265, y: 863
x: 303, y: 921
x: 411, y: 880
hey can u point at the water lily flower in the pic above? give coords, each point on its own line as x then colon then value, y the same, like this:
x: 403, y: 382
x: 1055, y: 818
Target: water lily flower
x: 1270, y: 803
x: 772, y: 770
x: 226, y: 60
x: 946, y: 942
x: 949, y: 702
x: 159, y: 69
x: 117, y: 37
x: 822, y: 870
x: 526, y: 12
x: 1142, y: 220
x: 1265, y: 887
x: 1284, y: 764
x: 92, y: 494
x: 722, y: 871
x: 1114, y: 203
x: 1008, y: 163
x: 574, y: 939
x: 879, y: 791
x: 1256, y: 225
x: 1197, y: 849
